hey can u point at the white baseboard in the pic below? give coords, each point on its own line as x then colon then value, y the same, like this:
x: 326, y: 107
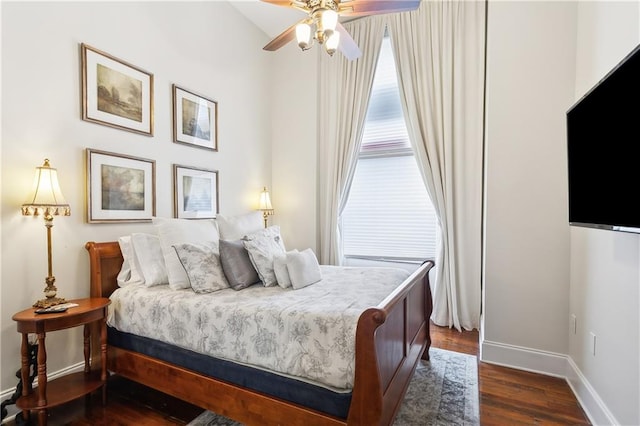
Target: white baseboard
x: 550, y: 364
x: 6, y: 394
x: 589, y: 399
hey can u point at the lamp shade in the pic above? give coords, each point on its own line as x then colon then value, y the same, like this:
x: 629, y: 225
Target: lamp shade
x: 329, y: 20
x: 46, y: 196
x: 265, y: 201
x: 332, y: 43
x: 303, y: 35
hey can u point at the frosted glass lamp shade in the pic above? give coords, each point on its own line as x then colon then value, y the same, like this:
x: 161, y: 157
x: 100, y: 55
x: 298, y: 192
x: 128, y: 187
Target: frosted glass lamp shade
x: 303, y: 36
x: 329, y: 20
x: 332, y: 43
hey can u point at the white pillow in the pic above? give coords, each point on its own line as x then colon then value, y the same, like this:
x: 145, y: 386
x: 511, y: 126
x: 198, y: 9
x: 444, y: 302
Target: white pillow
x: 180, y: 231
x: 130, y: 271
x: 150, y: 260
x: 233, y: 228
x: 262, y: 247
x: 303, y: 268
x: 201, y: 262
x: 124, y: 276
x: 280, y: 269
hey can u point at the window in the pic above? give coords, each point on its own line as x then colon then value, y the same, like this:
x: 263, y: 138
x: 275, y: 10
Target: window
x: 389, y: 215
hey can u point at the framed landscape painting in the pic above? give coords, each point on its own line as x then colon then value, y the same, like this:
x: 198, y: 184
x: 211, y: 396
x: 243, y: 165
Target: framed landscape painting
x: 195, y: 192
x: 120, y: 188
x: 195, y: 119
x: 115, y: 93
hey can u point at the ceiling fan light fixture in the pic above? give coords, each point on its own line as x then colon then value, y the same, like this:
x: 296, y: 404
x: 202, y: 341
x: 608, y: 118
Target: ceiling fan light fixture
x: 322, y: 22
x: 303, y: 35
x: 332, y: 43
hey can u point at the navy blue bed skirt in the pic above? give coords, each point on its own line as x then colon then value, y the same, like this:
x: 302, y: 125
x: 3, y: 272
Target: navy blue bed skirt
x: 295, y: 391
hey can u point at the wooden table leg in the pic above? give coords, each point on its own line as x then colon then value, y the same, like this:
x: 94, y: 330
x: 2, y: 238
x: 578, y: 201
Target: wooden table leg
x: 103, y: 357
x: 42, y: 379
x: 87, y: 360
x: 25, y: 371
x: 42, y: 417
x: 87, y: 348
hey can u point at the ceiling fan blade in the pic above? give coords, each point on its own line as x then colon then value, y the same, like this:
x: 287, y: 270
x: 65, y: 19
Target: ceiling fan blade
x: 283, y: 38
x: 373, y: 7
x: 347, y: 45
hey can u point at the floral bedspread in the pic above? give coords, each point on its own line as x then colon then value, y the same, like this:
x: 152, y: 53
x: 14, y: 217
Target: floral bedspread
x: 307, y: 333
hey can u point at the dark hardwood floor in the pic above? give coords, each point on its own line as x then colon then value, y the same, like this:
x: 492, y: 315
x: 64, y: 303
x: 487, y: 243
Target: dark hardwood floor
x: 514, y: 397
x: 507, y: 397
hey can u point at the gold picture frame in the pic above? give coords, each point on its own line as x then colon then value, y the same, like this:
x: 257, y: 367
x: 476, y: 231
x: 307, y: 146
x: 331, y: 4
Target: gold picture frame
x: 195, y: 119
x: 116, y: 93
x: 195, y: 193
x: 120, y: 188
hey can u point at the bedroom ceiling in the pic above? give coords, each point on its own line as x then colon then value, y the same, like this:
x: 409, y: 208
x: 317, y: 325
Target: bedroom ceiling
x: 269, y: 18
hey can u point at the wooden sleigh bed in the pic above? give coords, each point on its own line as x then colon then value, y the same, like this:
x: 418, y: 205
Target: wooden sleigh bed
x: 390, y: 340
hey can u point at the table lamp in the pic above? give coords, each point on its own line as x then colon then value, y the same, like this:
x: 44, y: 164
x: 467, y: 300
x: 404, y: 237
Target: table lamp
x: 265, y: 205
x: 46, y: 198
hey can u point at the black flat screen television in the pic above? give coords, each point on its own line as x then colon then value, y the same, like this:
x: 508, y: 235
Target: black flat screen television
x: 603, y: 144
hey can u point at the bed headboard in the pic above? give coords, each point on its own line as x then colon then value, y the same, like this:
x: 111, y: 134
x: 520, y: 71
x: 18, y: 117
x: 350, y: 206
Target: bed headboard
x: 105, y: 261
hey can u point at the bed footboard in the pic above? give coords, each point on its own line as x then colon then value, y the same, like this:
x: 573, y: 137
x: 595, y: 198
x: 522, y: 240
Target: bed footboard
x: 390, y: 340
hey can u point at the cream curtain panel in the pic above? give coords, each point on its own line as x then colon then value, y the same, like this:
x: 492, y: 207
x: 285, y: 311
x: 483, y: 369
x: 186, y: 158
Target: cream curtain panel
x: 344, y: 90
x: 439, y: 51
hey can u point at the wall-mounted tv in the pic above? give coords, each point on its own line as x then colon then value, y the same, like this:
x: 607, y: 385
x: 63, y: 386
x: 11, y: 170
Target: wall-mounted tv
x: 603, y: 142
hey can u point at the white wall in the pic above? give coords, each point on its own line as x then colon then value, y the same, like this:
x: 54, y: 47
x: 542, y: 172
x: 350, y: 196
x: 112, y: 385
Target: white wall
x: 605, y: 265
x: 207, y: 47
x: 530, y: 63
x: 294, y: 127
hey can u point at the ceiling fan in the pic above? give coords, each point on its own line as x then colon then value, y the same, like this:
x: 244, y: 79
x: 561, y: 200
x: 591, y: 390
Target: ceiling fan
x: 322, y: 24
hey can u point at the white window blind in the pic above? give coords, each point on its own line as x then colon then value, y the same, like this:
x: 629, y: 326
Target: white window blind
x: 389, y: 214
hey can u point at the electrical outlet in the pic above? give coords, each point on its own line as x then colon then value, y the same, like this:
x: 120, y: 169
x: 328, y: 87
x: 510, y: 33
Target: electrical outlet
x: 593, y: 343
x: 574, y: 324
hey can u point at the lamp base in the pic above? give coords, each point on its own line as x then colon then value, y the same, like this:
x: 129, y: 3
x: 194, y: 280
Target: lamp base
x: 49, y: 301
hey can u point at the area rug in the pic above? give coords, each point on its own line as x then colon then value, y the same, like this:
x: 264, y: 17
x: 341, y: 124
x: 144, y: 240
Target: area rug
x: 443, y: 391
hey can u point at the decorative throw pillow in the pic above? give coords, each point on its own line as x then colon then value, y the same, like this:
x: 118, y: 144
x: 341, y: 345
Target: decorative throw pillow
x: 236, y: 265
x: 280, y: 269
x: 130, y: 271
x: 180, y: 231
x: 148, y: 253
x: 235, y: 227
x: 303, y: 268
x: 262, y: 247
x: 202, y: 265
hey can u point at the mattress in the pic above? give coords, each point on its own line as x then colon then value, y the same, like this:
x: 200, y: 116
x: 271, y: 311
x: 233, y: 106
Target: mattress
x: 276, y: 385
x: 307, y: 334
